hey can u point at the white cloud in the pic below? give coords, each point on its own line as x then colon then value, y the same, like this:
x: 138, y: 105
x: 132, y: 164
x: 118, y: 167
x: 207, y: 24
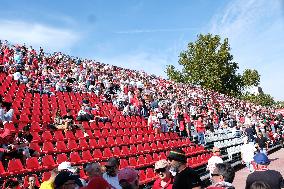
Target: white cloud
x: 255, y: 32
x: 51, y: 38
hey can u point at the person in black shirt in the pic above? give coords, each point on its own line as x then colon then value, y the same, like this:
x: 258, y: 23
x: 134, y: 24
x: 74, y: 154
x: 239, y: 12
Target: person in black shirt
x: 271, y: 177
x: 186, y: 177
x: 262, y: 143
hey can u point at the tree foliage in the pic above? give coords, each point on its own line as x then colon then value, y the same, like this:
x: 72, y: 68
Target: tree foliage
x: 261, y: 99
x: 208, y: 62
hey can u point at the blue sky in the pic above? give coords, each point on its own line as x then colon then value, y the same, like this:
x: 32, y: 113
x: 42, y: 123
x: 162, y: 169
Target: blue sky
x: 148, y: 35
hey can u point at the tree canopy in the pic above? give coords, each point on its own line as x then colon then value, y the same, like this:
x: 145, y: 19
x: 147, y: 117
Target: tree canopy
x: 208, y: 62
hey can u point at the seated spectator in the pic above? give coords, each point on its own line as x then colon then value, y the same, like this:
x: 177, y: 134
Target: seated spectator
x: 49, y: 184
x: 96, y: 181
x: 58, y: 122
x: 128, y: 178
x: 84, y: 113
x: 215, y: 159
x: 222, y: 177
x: 6, y: 112
x: 110, y: 175
x: 165, y: 180
x: 185, y: 177
x: 259, y: 185
x: 271, y: 177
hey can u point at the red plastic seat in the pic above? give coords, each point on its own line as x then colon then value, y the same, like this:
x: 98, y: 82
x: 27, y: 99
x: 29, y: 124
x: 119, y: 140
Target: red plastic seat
x: 93, y: 143
x: 132, y: 162
x: 61, y: 158
x: 125, y: 151
x: 142, y: 177
x: 110, y: 141
x: 116, y: 151
x: 35, y: 127
x: 46, y: 136
x: 123, y: 163
x: 97, y: 154
x: 79, y: 134
x: 35, y: 146
x: 72, y: 145
x: 141, y: 161
x: 61, y: 146
x: 118, y: 141
x: 48, y: 148
x: 36, y: 137
x: 2, y: 170
x: 75, y: 158
x: 107, y: 153
x: 48, y: 162
x: 58, y: 136
x: 133, y: 150
x: 32, y: 164
x: 86, y: 156
x: 69, y: 135
x: 149, y: 159
x: 102, y: 143
x: 150, y: 174
x: 15, y: 167
x: 83, y: 144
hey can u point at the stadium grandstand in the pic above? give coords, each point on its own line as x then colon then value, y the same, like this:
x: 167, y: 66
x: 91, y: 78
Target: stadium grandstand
x: 66, y: 119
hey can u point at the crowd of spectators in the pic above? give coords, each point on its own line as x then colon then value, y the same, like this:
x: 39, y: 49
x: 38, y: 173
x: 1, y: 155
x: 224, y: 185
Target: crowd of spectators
x: 190, y: 110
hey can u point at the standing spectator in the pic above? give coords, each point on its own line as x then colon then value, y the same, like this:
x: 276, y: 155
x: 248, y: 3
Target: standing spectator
x: 200, y: 128
x: 262, y: 143
x: 128, y: 178
x: 185, y: 177
x: 111, y: 172
x: 94, y: 172
x: 247, y: 153
x: 165, y: 180
x: 215, y: 159
x: 222, y: 177
x: 271, y: 177
x: 250, y: 132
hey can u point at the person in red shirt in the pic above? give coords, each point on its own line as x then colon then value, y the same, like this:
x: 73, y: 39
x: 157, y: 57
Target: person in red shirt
x: 200, y: 128
x: 165, y: 179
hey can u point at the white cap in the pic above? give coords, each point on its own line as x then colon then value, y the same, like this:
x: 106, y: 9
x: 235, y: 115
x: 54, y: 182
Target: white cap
x: 66, y: 166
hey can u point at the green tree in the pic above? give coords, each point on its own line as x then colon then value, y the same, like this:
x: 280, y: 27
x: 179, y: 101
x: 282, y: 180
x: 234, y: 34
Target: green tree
x: 209, y: 63
x: 261, y: 99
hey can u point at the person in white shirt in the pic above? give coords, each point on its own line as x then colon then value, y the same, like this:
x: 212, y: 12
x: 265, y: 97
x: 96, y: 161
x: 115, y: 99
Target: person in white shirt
x: 247, y: 153
x: 110, y: 175
x: 215, y: 159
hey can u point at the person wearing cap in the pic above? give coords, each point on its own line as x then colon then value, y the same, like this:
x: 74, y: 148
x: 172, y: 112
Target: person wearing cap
x: 247, y: 153
x: 214, y: 160
x: 273, y: 178
x: 66, y: 166
x: 222, y: 177
x: 185, y: 176
x: 165, y: 180
x: 67, y: 180
x: 128, y: 178
x: 110, y: 175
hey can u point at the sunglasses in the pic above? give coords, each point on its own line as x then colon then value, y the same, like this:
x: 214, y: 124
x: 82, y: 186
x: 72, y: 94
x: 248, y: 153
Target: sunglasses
x: 161, y: 170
